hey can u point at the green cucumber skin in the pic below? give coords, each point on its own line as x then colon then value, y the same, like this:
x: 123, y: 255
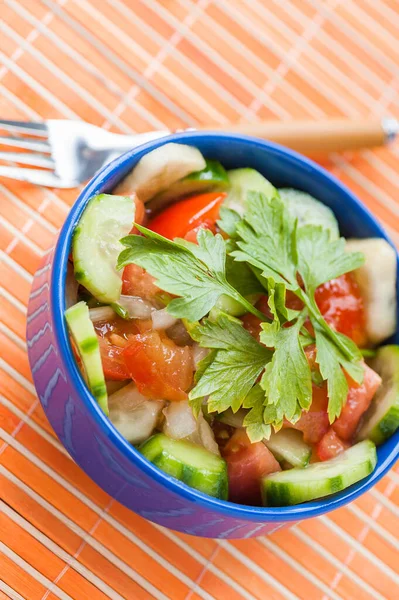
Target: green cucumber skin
x: 213, y: 177
x: 212, y: 482
x: 82, y: 331
x: 106, y: 219
x: 286, y: 493
x: 386, y: 363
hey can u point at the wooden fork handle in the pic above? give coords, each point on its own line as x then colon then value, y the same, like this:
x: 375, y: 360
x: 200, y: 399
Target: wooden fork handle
x: 310, y: 137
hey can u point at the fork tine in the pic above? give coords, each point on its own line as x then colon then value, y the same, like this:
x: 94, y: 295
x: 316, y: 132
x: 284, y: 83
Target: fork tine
x: 25, y: 143
x: 37, y: 177
x: 25, y: 158
x: 28, y: 127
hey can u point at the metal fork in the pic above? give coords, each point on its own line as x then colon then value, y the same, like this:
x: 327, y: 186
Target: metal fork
x: 68, y: 152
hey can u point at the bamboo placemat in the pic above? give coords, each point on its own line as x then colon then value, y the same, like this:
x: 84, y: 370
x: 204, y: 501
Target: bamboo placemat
x: 137, y: 65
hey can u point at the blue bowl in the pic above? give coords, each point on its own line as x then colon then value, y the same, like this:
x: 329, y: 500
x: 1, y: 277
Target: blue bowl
x: 90, y: 437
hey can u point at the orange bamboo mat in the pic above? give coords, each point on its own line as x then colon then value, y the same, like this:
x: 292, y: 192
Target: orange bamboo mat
x: 136, y: 65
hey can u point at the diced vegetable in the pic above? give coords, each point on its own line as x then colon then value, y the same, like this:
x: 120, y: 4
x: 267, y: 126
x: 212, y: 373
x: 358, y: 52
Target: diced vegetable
x: 213, y: 178
x: 101, y: 313
x: 160, y: 368
x: 180, y: 423
x: 330, y: 445
x: 377, y: 282
x: 320, y: 479
x: 137, y: 282
x: 134, y: 416
x: 96, y: 246
x: 243, y: 181
x: 246, y: 465
x: 85, y: 338
x: 161, y: 168
x: 195, y: 466
x: 135, y: 307
x: 189, y: 214
x: 382, y: 418
x: 341, y: 304
x: 288, y: 445
x: 308, y: 210
x: 161, y: 319
x: 357, y: 402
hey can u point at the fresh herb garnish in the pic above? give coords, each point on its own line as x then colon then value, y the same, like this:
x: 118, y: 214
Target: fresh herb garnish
x: 195, y: 273
x: 265, y: 251
x: 229, y: 373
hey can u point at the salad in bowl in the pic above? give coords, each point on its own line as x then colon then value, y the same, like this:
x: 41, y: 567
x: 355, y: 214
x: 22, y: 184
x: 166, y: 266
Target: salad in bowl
x: 230, y: 334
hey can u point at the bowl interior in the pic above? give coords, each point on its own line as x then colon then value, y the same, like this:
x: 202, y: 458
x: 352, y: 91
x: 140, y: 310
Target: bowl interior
x: 283, y: 168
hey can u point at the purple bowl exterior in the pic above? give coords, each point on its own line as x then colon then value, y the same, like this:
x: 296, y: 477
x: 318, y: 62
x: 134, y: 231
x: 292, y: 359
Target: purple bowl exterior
x: 88, y: 435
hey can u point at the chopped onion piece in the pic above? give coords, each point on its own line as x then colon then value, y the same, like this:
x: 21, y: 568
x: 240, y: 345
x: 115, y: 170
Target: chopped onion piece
x: 199, y: 354
x: 179, y: 420
x: 134, y: 415
x: 136, y: 307
x: 180, y: 423
x: 101, y: 313
x: 161, y: 319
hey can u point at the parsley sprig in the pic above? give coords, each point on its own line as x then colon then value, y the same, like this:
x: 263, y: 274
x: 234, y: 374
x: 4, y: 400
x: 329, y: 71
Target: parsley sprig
x: 266, y: 250
x: 195, y: 273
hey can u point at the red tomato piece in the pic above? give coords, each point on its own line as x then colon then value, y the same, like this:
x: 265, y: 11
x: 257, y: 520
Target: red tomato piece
x: 341, y: 304
x: 357, y: 402
x: 160, y: 368
x: 112, y: 337
x: 180, y: 218
x: 191, y: 236
x: 330, y: 445
x: 246, y: 465
x: 113, y: 362
x: 252, y: 325
x: 137, y: 282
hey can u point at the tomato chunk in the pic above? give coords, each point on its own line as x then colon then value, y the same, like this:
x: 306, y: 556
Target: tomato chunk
x: 341, y: 304
x: 191, y: 236
x: 330, y: 445
x: 246, y: 465
x: 113, y: 336
x: 177, y: 220
x: 137, y: 282
x: 160, y: 368
x: 357, y: 402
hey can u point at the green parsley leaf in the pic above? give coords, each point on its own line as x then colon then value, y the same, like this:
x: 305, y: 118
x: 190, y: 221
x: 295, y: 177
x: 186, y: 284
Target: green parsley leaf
x: 267, y: 239
x: 197, y: 273
x: 320, y: 258
x: 234, y: 368
x: 287, y: 379
x: 228, y: 221
x: 257, y: 430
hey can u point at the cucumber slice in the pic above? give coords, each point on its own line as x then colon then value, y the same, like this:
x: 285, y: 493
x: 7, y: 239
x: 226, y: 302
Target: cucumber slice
x: 213, y: 177
x: 382, y: 418
x: 195, y: 466
x: 309, y: 211
x: 377, y: 282
x: 83, y: 334
x: 96, y: 246
x: 161, y: 168
x: 288, y: 445
x: 320, y: 479
x: 243, y: 181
